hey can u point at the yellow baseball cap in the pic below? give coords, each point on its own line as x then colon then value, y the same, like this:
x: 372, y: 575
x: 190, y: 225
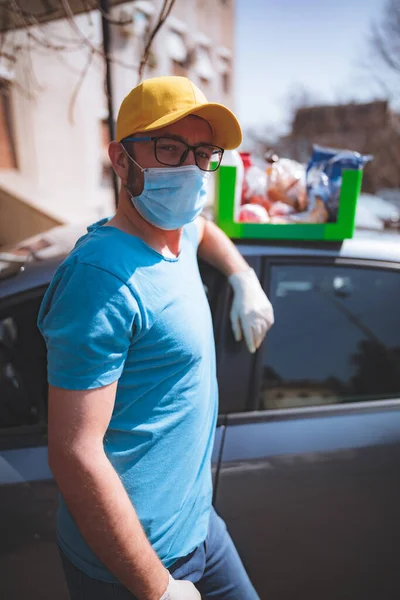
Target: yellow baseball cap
x: 160, y: 101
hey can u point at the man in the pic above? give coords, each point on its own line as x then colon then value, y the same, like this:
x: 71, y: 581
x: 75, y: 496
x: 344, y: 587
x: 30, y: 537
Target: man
x: 131, y: 365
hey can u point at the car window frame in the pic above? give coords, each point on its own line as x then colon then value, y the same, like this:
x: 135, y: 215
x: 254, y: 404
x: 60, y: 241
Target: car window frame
x: 226, y: 347
x: 24, y: 436
x: 265, y: 280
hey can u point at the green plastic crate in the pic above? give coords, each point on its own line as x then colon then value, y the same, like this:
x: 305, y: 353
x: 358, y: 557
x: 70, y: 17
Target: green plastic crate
x: 342, y: 229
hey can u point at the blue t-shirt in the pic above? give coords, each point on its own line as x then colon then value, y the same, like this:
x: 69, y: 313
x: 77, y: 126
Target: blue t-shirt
x: 118, y: 310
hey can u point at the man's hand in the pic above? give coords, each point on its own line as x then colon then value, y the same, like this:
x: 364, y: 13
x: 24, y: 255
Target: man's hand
x: 180, y: 590
x: 252, y: 313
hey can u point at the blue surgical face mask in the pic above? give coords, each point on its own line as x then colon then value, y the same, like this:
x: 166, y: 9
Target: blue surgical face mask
x: 171, y: 196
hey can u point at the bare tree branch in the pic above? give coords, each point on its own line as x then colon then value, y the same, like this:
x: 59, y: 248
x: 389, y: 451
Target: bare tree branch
x: 18, y: 13
x: 44, y: 38
x: 78, y: 87
x: 383, y: 45
x: 164, y: 13
x: 86, y: 41
x: 31, y: 68
x: 49, y: 45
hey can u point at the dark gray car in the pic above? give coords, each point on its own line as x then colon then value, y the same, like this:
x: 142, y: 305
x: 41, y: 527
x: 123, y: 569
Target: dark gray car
x: 307, y: 451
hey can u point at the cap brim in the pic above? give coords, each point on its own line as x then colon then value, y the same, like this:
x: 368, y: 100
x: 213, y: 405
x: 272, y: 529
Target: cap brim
x: 226, y: 129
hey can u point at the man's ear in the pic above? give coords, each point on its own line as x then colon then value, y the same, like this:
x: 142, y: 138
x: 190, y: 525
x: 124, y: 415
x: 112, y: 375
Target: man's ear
x: 119, y: 160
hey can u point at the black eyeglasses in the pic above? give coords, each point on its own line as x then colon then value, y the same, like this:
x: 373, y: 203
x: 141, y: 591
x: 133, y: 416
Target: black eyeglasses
x: 172, y: 152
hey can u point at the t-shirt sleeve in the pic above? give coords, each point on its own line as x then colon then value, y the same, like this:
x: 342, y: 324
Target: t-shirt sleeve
x: 88, y: 319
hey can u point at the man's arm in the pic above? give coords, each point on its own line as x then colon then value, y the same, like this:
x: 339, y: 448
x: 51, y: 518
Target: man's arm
x: 217, y: 249
x: 252, y: 313
x: 94, y: 493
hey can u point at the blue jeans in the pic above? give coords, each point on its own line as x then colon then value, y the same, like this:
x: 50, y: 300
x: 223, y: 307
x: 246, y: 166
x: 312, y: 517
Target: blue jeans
x: 214, y: 567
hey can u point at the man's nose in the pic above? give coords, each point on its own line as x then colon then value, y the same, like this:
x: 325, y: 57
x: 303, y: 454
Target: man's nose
x: 190, y: 159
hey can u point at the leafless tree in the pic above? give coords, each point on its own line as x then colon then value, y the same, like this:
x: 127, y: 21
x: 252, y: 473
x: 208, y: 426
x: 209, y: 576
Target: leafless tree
x: 383, y: 57
x: 23, y: 29
x: 299, y: 96
x: 279, y: 137
x: 162, y: 17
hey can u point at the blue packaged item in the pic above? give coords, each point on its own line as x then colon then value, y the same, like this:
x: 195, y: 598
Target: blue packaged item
x: 324, y: 176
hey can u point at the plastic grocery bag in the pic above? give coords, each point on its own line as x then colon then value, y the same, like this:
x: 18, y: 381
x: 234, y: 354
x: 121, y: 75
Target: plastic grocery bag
x: 256, y: 184
x: 286, y: 182
x: 324, y: 176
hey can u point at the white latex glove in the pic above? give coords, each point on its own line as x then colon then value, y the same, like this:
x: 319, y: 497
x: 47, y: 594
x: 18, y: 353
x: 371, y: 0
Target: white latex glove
x: 180, y: 590
x: 252, y: 313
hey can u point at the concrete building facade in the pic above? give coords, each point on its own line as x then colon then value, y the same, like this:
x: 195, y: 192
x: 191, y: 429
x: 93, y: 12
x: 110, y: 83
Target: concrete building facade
x: 53, y: 109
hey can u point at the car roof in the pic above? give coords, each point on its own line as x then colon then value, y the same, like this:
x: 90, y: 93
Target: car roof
x: 364, y: 246
x: 379, y: 246
x: 33, y: 275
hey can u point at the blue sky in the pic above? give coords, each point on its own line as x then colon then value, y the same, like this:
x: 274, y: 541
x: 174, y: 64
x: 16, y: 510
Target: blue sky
x: 282, y: 44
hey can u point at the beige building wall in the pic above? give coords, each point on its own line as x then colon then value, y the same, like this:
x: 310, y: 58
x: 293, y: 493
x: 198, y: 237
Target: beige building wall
x: 58, y: 149
x: 203, y: 29
x: 20, y: 220
x: 62, y: 167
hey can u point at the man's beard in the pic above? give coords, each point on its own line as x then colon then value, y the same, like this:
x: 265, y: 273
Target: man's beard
x: 135, y: 181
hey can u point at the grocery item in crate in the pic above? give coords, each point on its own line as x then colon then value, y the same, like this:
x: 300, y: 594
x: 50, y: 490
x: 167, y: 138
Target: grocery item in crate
x: 253, y: 213
x: 324, y: 178
x: 280, y: 209
x: 247, y: 163
x: 286, y: 182
x: 255, y: 185
x: 316, y: 213
x: 260, y: 217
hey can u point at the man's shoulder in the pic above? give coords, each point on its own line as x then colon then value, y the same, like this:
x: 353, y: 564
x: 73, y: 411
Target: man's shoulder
x: 107, y: 251
x: 89, y: 282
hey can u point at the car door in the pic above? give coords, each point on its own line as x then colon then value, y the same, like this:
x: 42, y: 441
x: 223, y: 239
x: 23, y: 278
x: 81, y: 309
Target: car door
x: 214, y: 287
x: 233, y: 375
x: 309, y: 479
x: 29, y: 562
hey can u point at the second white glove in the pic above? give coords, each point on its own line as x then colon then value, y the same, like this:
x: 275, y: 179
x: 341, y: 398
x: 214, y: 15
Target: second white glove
x: 252, y: 313
x: 180, y: 590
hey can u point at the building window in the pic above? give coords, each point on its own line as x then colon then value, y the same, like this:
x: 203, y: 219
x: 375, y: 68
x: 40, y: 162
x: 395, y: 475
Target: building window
x: 224, y: 65
x: 106, y: 168
x: 179, y: 69
x: 204, y: 84
x: 226, y: 77
x: 140, y: 28
x: 203, y: 66
x: 152, y: 61
x: 177, y: 52
x: 141, y: 24
x: 8, y: 156
x: 226, y: 82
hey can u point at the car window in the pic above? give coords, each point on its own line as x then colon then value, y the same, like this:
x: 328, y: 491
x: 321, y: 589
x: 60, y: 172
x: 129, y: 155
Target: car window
x: 235, y: 364
x: 23, y: 385
x: 336, y: 336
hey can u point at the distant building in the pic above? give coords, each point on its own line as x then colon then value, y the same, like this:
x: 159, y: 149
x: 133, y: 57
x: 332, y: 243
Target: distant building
x: 368, y: 128
x: 53, y: 150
